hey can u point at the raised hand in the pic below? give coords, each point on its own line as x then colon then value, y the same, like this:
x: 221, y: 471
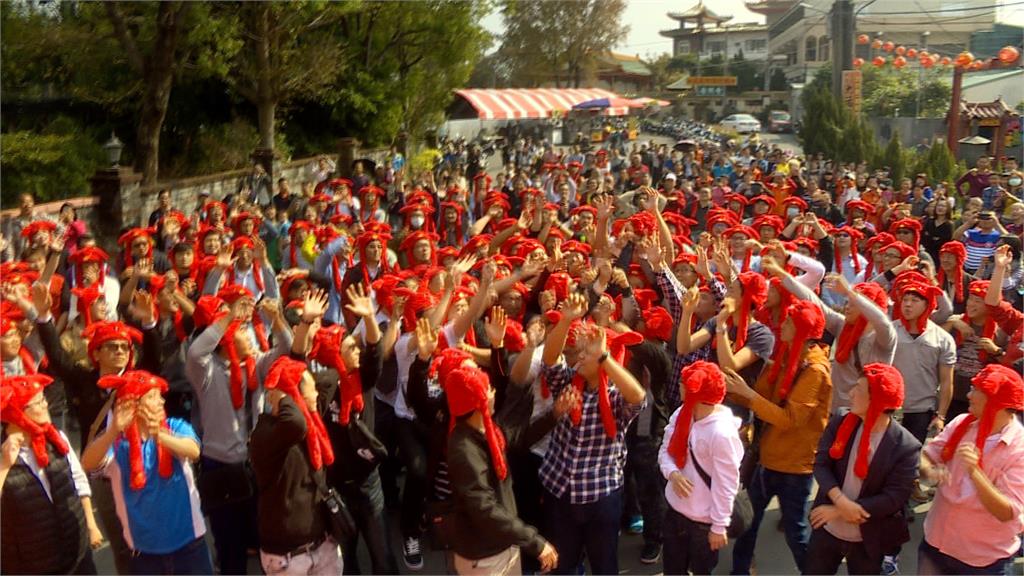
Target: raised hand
x: 548, y: 300
x: 124, y: 414
x: 605, y: 206
x: 57, y: 244
x: 487, y: 274
x: 770, y: 266
x: 359, y: 303
x: 314, y: 305
x: 261, y: 248
x: 567, y: 401
x: 495, y: 327
x: 225, y: 258
x: 836, y: 283
x: 10, y: 449
x: 41, y: 299
x: 1003, y: 256
x: 142, y: 307
x: 461, y: 266
x: 574, y: 307
x: 143, y: 269
x: 426, y: 339
x: 271, y: 307
x: 241, y: 310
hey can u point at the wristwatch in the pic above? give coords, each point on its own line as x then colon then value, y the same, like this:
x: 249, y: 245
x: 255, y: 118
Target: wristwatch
x: 603, y: 357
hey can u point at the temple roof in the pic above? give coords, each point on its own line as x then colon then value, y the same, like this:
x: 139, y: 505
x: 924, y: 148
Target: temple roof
x: 699, y: 11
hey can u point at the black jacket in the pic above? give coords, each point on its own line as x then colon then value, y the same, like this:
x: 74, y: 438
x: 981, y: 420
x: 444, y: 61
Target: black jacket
x: 886, y: 489
x: 486, y: 521
x: 290, y: 513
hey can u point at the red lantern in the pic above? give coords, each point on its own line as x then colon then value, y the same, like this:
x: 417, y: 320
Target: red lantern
x: 878, y: 61
x: 978, y: 65
x: 876, y: 43
x: 863, y: 39
x: 899, y: 62
x: 945, y: 61
x: 964, y: 59
x: 1008, y: 55
x: 900, y: 50
x: 888, y: 46
x: 924, y: 54
x: 858, y: 62
x: 927, y: 62
x: 911, y: 53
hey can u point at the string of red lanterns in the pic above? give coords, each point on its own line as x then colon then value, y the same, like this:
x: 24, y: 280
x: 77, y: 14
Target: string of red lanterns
x: 965, y: 60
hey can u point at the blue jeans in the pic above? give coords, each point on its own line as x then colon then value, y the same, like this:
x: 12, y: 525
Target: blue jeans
x: 792, y: 491
x: 591, y: 527
x: 193, y: 558
x: 931, y: 561
x: 366, y: 503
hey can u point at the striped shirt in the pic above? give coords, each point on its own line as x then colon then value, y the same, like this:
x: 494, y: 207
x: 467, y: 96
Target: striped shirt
x: 980, y: 244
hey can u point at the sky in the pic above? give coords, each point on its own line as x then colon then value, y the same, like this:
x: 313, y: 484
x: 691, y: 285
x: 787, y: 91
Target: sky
x: 646, y: 18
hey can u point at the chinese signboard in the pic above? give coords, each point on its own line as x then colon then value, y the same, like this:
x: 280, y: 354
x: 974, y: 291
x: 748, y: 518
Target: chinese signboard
x: 714, y: 91
x: 711, y: 80
x: 851, y: 89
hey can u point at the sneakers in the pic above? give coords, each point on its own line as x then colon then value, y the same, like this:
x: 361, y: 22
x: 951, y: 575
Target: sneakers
x: 650, y: 554
x: 411, y: 554
x: 636, y: 525
x: 890, y: 565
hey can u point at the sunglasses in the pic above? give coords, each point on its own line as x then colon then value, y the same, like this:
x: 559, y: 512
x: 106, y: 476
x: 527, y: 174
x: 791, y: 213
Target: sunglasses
x: 117, y: 346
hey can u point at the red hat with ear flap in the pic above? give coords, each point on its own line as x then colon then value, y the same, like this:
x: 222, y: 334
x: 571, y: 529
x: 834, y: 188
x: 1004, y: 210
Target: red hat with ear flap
x: 885, y: 388
x: 755, y: 294
x: 922, y: 289
x: 133, y: 385
x: 98, y: 333
x: 855, y: 236
x: 86, y: 297
x: 701, y: 382
x: 809, y: 323
x: 15, y: 394
x: 1003, y: 388
x: 467, y: 389
x: 959, y: 251
x: 850, y: 335
x: 909, y: 224
x: 327, y: 351
x: 286, y: 375
x: 207, y: 310
x: 658, y: 324
x: 559, y: 283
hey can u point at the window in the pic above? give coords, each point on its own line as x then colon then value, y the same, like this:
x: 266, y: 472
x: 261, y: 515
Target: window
x: 716, y: 46
x: 683, y: 46
x: 756, y: 45
x: 811, y: 49
x: 823, y: 45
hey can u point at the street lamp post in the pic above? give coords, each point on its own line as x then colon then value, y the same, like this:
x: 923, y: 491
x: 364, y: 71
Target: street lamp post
x: 920, y: 74
x: 113, y: 148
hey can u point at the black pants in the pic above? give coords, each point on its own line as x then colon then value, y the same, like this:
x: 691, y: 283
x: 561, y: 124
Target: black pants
x: 104, y: 508
x: 642, y: 466
x: 591, y: 528
x: 686, y: 545
x: 234, y: 527
x: 384, y: 428
x: 528, y: 492
x: 917, y: 423
x: 366, y: 503
x: 412, y: 447
x: 825, y: 553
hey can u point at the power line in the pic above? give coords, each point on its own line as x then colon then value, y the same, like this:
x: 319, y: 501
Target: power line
x: 940, y: 10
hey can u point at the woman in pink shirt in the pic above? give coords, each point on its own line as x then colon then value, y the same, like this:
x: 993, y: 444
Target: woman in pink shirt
x: 73, y: 227
x: 978, y: 463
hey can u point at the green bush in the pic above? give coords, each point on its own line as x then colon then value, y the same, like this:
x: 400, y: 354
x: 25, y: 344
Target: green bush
x: 53, y: 164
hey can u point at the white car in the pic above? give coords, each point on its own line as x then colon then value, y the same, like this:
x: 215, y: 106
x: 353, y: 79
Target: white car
x: 742, y: 123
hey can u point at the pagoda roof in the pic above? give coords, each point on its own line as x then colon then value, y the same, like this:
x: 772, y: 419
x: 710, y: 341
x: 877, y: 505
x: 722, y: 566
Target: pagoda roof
x: 769, y: 6
x: 701, y: 11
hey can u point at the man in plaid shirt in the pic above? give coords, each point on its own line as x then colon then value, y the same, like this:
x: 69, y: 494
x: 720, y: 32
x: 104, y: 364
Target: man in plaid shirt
x: 582, y: 470
x: 672, y: 290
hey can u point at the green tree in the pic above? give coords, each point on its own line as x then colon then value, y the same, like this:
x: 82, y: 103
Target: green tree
x: 289, y: 50
x: 53, y: 163
x: 558, y: 41
x: 829, y: 128
x: 895, y: 158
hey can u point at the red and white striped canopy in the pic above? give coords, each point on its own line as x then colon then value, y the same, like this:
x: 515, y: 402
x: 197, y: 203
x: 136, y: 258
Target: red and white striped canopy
x: 502, y: 104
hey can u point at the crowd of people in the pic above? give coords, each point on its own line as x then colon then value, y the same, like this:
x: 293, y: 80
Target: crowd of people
x: 523, y: 362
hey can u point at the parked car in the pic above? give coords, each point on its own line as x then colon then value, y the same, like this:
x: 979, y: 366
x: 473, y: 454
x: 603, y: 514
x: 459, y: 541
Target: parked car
x: 780, y: 121
x: 742, y: 123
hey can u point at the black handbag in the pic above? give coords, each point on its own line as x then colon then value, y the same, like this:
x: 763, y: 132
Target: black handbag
x: 742, y: 509
x: 340, y: 523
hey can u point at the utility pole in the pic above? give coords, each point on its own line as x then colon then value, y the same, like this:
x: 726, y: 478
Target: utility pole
x: 920, y: 74
x: 842, y: 27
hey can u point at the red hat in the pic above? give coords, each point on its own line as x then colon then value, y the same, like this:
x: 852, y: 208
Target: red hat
x: 101, y: 332
x: 795, y: 201
x: 415, y: 302
x: 37, y: 226
x: 327, y: 351
x: 617, y: 344
x: 861, y: 205
x: 584, y: 208
x: 885, y: 386
x: 86, y: 255
x: 528, y: 246
x: 467, y: 389
x: 908, y: 224
x: 133, y: 385
x: 769, y: 220
x: 207, y: 310
x: 912, y: 283
x: 855, y: 236
x: 741, y: 229
x: 979, y: 288
x: 658, y: 324
x: 720, y: 216
x: 408, y: 245
x: 737, y: 198
x: 644, y: 223
x: 559, y: 283
x: 445, y: 362
x: 86, y: 297
x: 236, y: 222
x: 764, y: 198
x: 1004, y: 390
x: 318, y: 198
x: 578, y: 247
x: 755, y: 293
x: 959, y: 251
x: 176, y: 215
x: 15, y: 393
x: 128, y: 238
x: 905, y: 250
x: 210, y: 205
x: 10, y: 315
x: 286, y: 375
x: 700, y: 382
x: 515, y: 339
x: 809, y: 322
x: 851, y: 333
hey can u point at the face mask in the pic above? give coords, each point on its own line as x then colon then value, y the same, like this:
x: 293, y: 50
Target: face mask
x: 792, y: 212
x: 416, y: 221
x: 1015, y: 181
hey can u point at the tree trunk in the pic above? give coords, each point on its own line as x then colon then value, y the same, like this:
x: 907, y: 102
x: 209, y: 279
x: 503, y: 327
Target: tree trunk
x: 267, y: 102
x: 265, y: 111
x: 159, y: 78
